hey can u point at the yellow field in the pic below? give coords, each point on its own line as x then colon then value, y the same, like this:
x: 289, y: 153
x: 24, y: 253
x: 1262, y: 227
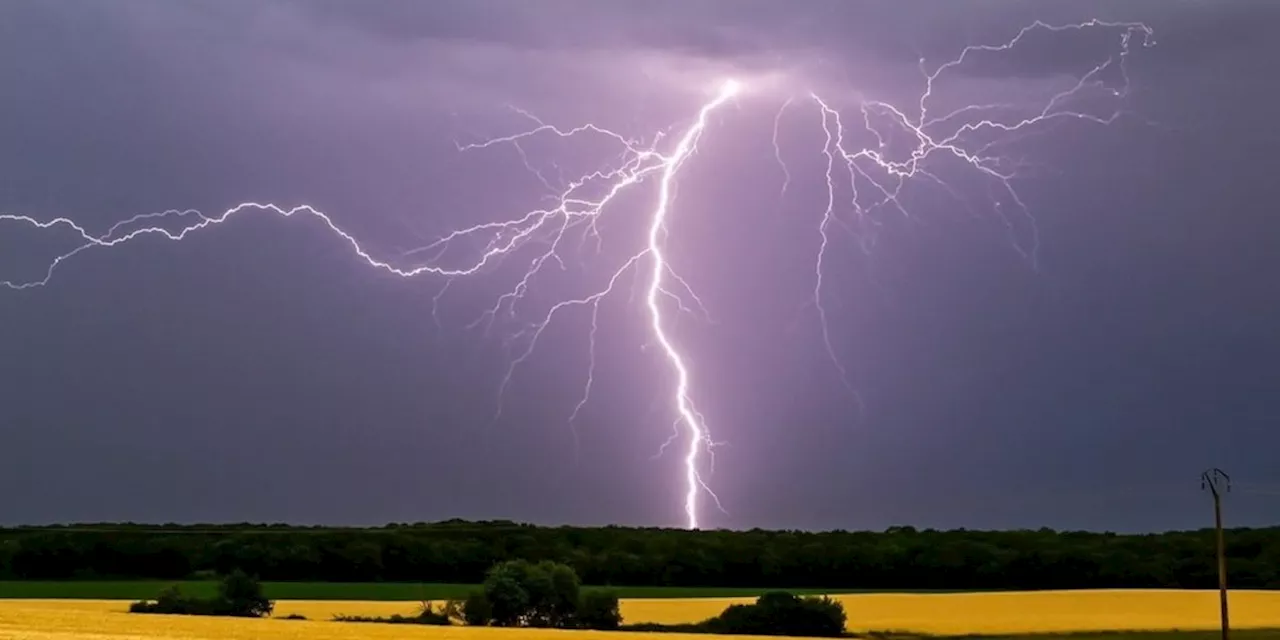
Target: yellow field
x: 1052, y: 611
x: 1024, y: 612
x: 107, y: 620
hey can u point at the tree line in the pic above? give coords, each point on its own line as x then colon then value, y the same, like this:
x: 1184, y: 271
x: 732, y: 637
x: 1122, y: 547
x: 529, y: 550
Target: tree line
x: 462, y: 552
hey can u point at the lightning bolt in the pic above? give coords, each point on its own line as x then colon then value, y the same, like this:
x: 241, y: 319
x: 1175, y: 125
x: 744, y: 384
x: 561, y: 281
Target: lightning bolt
x: 689, y: 416
x: 876, y: 176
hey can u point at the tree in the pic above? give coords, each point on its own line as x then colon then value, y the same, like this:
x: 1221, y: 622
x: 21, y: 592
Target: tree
x: 521, y: 593
x: 476, y: 610
x: 504, y: 589
x: 242, y: 596
x: 599, y: 610
x: 556, y: 600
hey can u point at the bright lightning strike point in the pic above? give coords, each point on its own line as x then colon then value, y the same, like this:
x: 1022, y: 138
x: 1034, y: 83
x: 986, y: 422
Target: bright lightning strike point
x: 874, y: 178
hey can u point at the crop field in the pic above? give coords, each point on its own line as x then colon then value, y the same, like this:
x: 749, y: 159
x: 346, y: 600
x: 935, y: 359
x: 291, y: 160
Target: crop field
x: 139, y: 589
x: 988, y: 614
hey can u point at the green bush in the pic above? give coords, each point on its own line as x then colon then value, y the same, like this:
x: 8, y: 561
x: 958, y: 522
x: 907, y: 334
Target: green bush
x: 172, y: 600
x: 780, y: 613
x: 476, y: 610
x: 240, y: 594
x: 599, y: 610
x: 773, y: 614
x: 430, y: 619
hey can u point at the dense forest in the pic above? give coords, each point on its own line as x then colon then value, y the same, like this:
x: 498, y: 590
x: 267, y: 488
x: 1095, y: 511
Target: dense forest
x: 456, y: 551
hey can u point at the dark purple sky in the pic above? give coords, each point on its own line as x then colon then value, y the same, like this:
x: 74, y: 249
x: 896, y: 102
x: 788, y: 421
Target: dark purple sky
x: 258, y: 371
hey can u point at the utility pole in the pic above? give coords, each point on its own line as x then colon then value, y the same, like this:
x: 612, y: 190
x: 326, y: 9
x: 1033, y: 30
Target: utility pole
x: 1218, y: 482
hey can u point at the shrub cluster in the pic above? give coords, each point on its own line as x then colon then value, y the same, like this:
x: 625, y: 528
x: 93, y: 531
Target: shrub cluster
x: 773, y: 614
x: 519, y: 593
x: 782, y: 614
x: 239, y: 595
x: 546, y: 594
x: 427, y: 615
